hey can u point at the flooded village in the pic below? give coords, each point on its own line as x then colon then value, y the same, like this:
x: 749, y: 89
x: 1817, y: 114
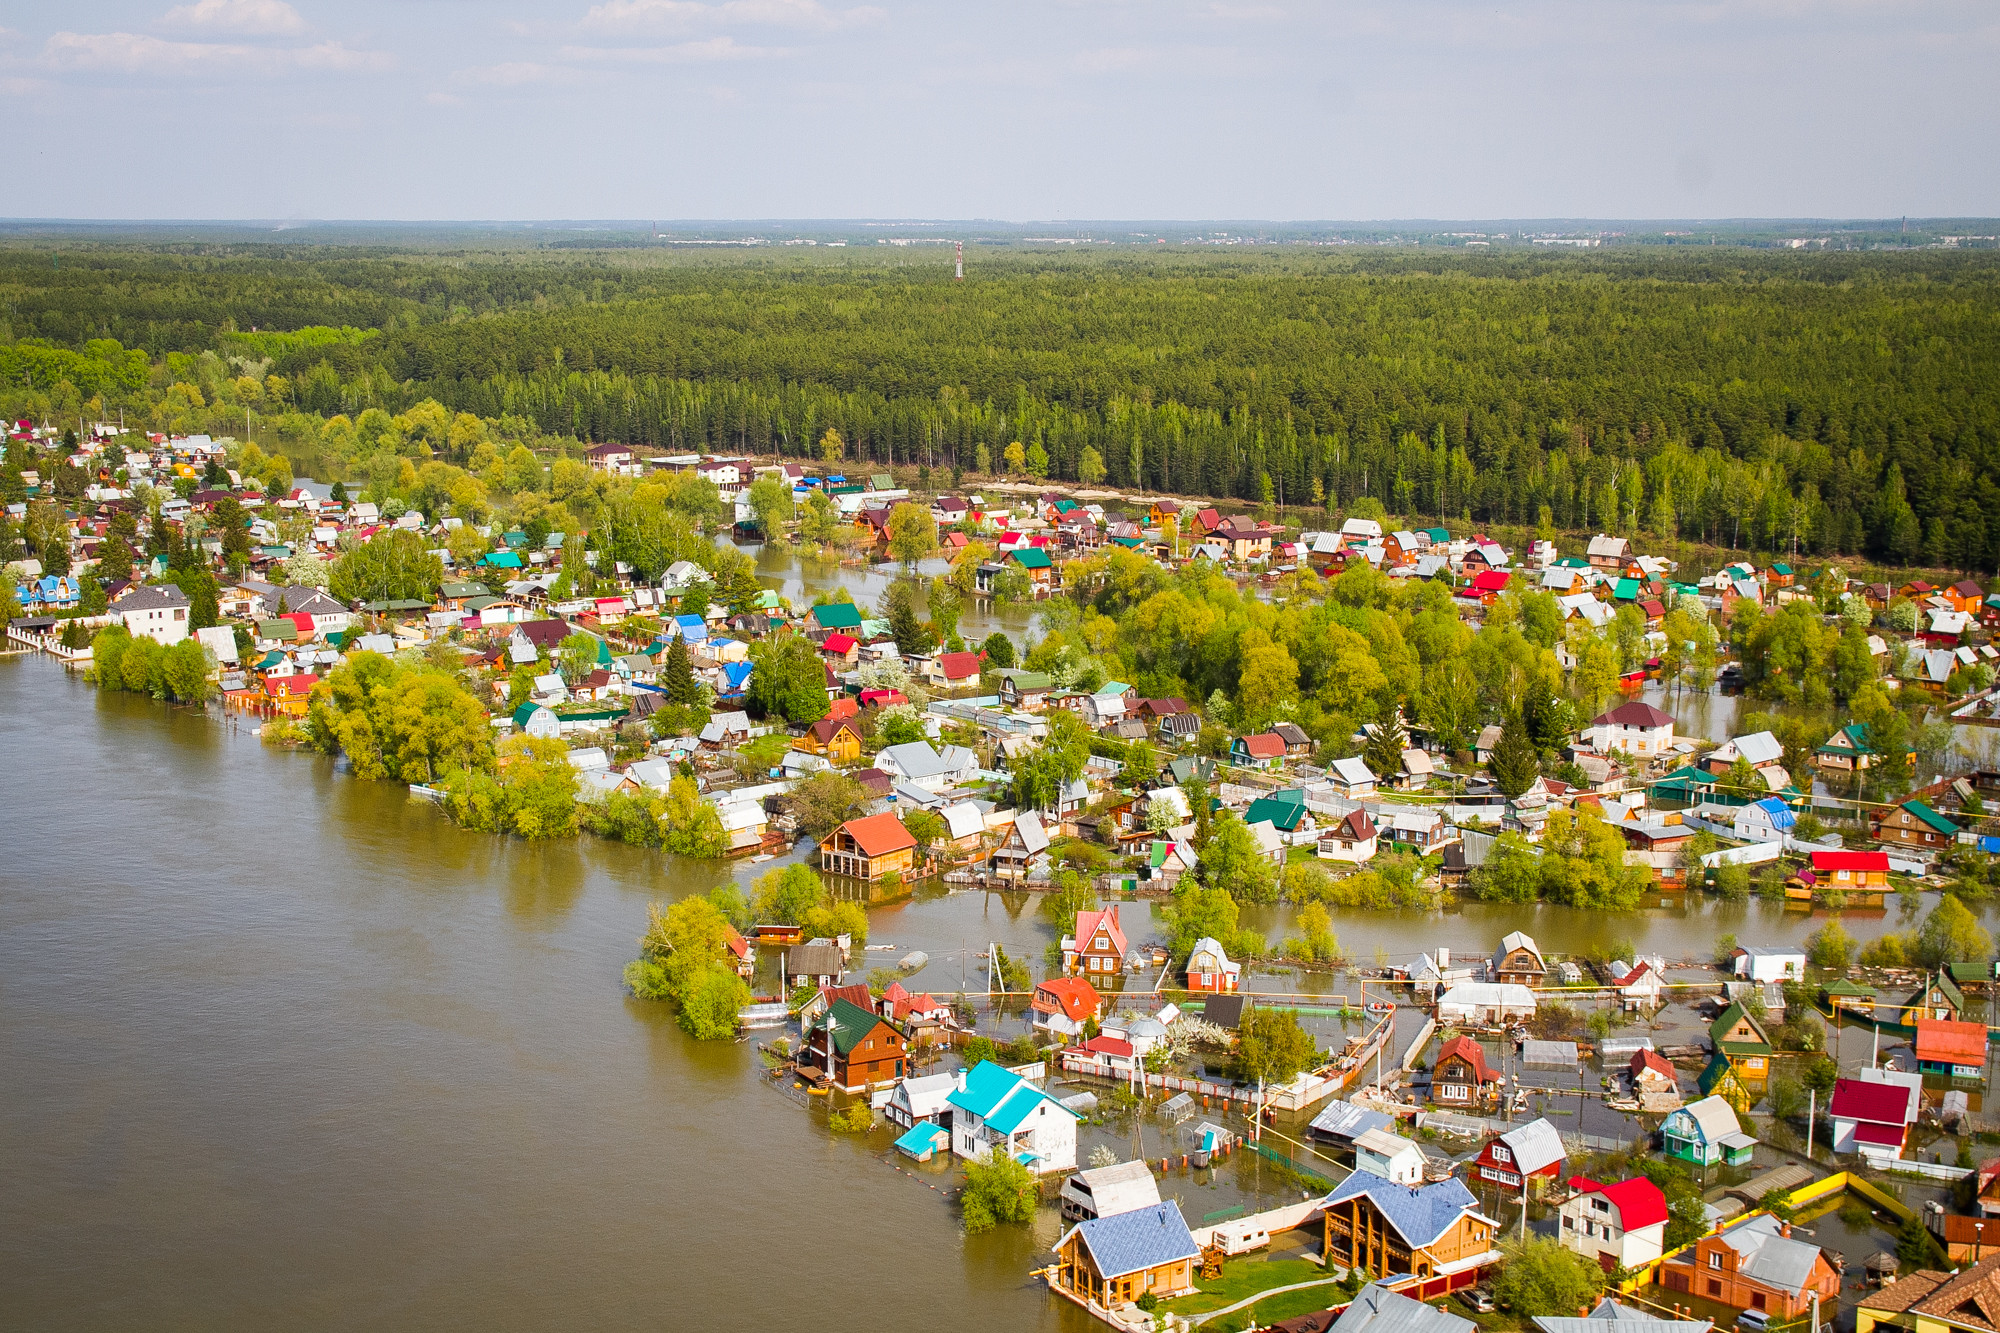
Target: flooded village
x: 1252, y: 1013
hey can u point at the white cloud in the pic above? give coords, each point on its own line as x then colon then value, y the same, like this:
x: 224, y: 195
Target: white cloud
x: 516, y: 74
x: 808, y: 15
x: 257, y: 17
x: 138, y: 53
x: 712, y: 50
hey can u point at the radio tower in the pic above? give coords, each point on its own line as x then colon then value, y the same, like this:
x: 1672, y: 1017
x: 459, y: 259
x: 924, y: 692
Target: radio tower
x: 960, y: 277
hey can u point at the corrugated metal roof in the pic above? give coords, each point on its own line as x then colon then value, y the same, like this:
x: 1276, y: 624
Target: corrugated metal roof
x: 1376, y: 1309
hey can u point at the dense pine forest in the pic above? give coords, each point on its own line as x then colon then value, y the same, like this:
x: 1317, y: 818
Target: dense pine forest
x: 1773, y: 401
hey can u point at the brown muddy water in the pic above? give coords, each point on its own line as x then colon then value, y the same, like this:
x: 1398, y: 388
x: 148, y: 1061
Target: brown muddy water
x: 282, y: 1048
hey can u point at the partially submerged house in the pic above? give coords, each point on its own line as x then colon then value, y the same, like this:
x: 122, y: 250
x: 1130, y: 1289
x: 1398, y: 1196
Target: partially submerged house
x: 1706, y: 1132
x: 1110, y: 1262
x: 999, y: 1110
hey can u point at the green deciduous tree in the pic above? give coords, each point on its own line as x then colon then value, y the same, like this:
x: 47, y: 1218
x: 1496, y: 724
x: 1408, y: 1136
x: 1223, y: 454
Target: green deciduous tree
x: 394, y: 565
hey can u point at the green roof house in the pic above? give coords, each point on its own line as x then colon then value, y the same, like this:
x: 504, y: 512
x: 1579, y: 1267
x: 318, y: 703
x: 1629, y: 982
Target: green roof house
x: 837, y: 616
x: 1741, y: 1039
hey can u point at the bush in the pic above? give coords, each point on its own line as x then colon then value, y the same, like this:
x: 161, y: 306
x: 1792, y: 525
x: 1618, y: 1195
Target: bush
x: 858, y: 1118
x: 997, y: 1189
x: 1540, y: 1277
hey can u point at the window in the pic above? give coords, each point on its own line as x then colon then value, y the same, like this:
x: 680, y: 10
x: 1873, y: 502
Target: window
x: 1756, y: 1300
x: 1714, y: 1288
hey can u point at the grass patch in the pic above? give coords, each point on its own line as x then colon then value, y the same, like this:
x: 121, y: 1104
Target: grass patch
x: 1246, y: 1276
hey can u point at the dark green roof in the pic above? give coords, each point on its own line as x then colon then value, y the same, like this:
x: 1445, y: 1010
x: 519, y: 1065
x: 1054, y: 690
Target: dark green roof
x: 1285, y: 809
x: 1854, y: 989
x: 1942, y: 980
x: 850, y: 1023
x: 1931, y: 818
x: 1727, y: 1020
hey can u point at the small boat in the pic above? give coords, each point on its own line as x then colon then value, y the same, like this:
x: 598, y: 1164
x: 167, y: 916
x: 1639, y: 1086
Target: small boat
x: 1381, y: 1007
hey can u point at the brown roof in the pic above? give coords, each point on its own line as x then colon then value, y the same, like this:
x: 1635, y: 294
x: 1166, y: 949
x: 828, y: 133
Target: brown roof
x: 1901, y: 1294
x: 1971, y: 1299
x: 827, y: 728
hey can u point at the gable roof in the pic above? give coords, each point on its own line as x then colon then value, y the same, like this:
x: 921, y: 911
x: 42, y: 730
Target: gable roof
x: 1536, y: 1145
x: 1140, y: 1239
x: 1000, y: 1097
x: 1728, y: 1019
x: 837, y: 615
x: 1714, y: 1117
x: 1865, y: 1099
x: 1266, y: 745
x: 1768, y: 1257
x: 1075, y: 998
x: 1419, y: 1215
x: 878, y: 835
x: 848, y: 1021
x: 1472, y: 1052
x: 1945, y: 1041
x: 1638, y: 1200
x: 1088, y: 924
x: 1376, y: 1309
x: 1923, y: 814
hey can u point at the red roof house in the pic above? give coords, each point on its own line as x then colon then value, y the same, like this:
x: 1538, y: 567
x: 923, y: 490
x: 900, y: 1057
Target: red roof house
x: 956, y: 667
x: 1064, y: 1004
x: 1098, y: 944
x: 1945, y: 1046
x: 1867, y: 1113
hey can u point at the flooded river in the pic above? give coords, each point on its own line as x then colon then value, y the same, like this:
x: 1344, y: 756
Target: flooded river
x: 280, y: 1048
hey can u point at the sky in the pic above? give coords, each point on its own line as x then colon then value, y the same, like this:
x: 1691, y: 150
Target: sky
x: 1020, y: 110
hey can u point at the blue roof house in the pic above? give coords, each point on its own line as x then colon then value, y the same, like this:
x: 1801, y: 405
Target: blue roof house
x: 1111, y: 1262
x: 999, y: 1109
x: 692, y: 628
x: 1768, y: 820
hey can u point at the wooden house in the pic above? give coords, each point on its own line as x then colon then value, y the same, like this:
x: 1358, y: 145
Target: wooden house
x: 1460, y: 1076
x: 868, y: 848
x: 1025, y: 690
x: 1738, y: 1037
x: 1851, y: 871
x: 1755, y: 1264
x: 1938, y: 998
x: 1108, y: 1263
x: 1936, y: 1302
x: 1651, y: 1072
x: 1097, y: 946
x: 1518, y: 960
x: 864, y: 1047
x: 1433, y: 1231
x: 1914, y: 824
x: 834, y: 739
x: 1847, y: 750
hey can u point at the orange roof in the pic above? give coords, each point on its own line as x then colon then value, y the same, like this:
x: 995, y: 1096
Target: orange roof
x: 842, y: 707
x: 878, y: 835
x: 1077, y: 998
x: 1263, y: 746
x: 1944, y: 1040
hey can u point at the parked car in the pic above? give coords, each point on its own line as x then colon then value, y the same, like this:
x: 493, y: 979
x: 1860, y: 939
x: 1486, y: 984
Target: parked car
x: 1479, y: 1298
x: 1753, y: 1321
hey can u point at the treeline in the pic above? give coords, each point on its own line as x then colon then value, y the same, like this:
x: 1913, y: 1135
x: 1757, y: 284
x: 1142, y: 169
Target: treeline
x: 1835, y: 403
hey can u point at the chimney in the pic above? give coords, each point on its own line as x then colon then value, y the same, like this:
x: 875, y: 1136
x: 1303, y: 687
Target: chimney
x: 1785, y: 1230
